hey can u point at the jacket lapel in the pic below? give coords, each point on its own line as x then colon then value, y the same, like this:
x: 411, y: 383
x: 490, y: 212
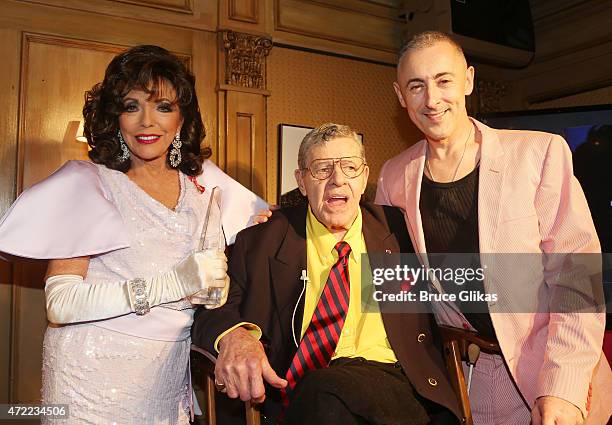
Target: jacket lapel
x: 413, y: 178
x: 380, y: 241
x: 490, y: 185
x: 384, y: 228
x: 374, y: 232
x: 286, y: 269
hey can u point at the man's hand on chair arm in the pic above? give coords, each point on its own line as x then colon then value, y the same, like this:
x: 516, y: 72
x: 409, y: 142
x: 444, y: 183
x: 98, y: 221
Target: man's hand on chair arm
x: 242, y: 366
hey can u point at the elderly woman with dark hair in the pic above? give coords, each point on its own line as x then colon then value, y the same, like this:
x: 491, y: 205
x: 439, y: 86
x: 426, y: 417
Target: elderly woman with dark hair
x: 152, y: 72
x: 122, y: 236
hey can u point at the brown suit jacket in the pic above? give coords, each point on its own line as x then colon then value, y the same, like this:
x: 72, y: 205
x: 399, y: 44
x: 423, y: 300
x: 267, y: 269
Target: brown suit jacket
x: 265, y: 269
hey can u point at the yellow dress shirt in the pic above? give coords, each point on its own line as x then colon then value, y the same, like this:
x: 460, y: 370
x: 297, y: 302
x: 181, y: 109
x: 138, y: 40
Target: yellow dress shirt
x: 363, y: 334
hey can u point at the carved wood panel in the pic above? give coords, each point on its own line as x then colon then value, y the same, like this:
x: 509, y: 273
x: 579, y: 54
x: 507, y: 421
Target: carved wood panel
x: 245, y: 59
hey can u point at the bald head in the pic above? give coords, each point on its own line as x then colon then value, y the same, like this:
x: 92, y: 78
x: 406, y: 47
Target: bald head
x: 426, y: 39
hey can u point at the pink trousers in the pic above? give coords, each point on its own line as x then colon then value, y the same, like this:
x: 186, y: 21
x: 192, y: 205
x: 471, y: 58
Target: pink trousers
x: 494, y: 398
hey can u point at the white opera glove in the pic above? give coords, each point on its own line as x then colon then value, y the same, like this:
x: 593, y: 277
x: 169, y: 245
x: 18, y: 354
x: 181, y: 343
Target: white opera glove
x: 69, y: 300
x: 200, y: 271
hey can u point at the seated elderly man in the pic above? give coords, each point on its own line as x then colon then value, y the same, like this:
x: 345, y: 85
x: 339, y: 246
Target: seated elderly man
x: 293, y: 334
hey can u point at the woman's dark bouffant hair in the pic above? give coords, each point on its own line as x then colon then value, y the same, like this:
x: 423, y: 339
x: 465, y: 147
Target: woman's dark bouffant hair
x: 143, y: 68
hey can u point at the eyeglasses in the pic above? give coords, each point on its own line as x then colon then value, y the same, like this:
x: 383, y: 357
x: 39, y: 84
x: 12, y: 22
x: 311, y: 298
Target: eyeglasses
x: 351, y: 166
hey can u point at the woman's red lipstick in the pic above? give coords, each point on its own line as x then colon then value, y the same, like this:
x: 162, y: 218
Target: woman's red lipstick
x: 147, y: 139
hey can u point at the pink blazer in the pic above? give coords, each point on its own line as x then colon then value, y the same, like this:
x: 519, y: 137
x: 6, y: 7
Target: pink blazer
x: 528, y: 202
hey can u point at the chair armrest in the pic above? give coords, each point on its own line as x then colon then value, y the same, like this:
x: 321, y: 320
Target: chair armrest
x: 465, y: 337
x: 210, y: 356
x: 210, y: 360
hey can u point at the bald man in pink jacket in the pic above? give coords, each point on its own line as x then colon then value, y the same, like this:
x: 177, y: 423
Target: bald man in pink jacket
x: 513, y: 192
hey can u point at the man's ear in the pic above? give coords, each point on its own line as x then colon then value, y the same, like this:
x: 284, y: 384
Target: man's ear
x: 469, y: 80
x: 398, y: 92
x: 300, y: 181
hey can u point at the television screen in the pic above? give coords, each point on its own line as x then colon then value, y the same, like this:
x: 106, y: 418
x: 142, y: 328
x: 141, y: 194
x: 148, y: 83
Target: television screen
x: 573, y: 124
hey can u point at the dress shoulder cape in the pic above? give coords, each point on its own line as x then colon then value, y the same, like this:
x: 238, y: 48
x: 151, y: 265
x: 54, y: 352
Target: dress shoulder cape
x: 69, y: 214
x: 238, y: 204
x: 66, y: 215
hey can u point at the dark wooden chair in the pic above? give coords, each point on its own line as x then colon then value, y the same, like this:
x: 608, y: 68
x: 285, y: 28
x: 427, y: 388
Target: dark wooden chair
x: 204, y: 364
x: 456, y: 343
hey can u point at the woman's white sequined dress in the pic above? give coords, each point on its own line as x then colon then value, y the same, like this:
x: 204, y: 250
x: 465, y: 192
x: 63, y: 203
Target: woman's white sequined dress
x: 114, y: 377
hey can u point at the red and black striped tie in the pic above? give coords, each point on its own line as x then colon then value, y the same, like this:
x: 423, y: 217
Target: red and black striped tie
x: 321, y: 337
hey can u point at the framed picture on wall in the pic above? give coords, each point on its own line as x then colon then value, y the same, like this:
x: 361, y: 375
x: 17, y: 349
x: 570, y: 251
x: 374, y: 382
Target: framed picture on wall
x: 289, y: 139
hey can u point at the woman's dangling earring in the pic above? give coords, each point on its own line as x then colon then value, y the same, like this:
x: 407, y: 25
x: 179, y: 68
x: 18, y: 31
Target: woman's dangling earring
x: 175, y: 152
x: 125, y: 152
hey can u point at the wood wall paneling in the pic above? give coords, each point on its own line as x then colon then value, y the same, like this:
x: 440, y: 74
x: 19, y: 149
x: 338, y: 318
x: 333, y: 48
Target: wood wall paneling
x: 184, y: 6
x: 92, y: 27
x: 242, y: 106
x: 601, y: 96
x: 221, y: 153
x: 56, y: 73
x: 243, y: 15
x: 244, y: 148
x: 205, y: 67
x: 244, y: 10
x: 389, y: 9
x: 10, y: 52
x: 196, y: 14
x: 29, y: 324
x: 246, y: 139
x: 591, y: 68
x: 303, y: 17
x: 6, y: 321
x: 339, y: 29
